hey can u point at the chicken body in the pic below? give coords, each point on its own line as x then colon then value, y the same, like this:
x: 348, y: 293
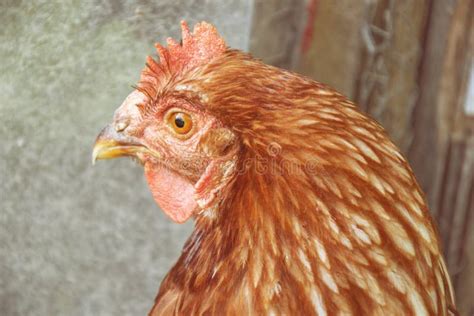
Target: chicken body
x: 302, y: 204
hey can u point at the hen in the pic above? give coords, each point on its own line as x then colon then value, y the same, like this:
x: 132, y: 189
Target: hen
x: 302, y: 204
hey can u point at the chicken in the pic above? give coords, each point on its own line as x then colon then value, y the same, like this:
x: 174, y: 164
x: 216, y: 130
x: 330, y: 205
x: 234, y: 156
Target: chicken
x: 302, y: 204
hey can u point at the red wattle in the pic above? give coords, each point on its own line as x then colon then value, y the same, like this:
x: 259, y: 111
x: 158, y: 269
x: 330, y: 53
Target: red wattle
x: 173, y: 193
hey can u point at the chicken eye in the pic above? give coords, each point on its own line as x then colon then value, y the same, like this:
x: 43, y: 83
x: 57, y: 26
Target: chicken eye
x: 180, y: 122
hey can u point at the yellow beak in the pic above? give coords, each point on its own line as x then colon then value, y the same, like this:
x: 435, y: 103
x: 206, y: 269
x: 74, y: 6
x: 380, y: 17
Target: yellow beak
x: 110, y: 144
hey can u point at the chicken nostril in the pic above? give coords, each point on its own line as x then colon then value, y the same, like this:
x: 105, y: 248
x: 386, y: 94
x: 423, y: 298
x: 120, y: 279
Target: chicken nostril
x: 120, y: 126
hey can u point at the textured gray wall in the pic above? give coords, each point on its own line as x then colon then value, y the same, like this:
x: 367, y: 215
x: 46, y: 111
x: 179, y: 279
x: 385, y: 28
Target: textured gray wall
x: 77, y: 240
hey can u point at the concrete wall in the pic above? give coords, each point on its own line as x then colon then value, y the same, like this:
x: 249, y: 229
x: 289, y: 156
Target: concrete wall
x: 77, y: 240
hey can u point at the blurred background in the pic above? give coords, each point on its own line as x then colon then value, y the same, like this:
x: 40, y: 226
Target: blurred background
x: 77, y: 240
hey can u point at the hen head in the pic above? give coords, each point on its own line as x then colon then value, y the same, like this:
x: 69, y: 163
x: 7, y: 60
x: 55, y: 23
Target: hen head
x: 186, y: 151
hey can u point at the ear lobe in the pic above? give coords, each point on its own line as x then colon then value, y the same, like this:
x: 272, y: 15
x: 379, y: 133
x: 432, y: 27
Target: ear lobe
x: 212, y: 185
x: 217, y: 142
x: 220, y: 146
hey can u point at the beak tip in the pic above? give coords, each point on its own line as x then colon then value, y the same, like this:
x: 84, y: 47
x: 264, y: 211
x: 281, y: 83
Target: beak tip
x: 109, y: 145
x: 95, y: 154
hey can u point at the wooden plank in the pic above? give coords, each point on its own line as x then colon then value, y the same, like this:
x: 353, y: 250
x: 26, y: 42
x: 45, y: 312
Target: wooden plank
x: 333, y: 53
x: 425, y: 116
x: 451, y: 174
x: 388, y: 87
x: 443, y: 147
x: 464, y: 278
x: 276, y: 31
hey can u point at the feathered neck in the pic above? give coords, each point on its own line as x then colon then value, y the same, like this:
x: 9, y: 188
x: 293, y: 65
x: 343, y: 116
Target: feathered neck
x: 252, y: 245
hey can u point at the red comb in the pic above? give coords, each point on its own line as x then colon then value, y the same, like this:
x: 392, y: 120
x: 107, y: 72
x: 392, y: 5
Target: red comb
x: 197, y: 48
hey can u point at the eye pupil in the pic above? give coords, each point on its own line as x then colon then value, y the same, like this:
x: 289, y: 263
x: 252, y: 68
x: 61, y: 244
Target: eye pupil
x: 179, y: 121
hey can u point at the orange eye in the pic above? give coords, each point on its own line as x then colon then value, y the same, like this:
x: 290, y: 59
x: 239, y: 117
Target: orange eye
x: 180, y: 122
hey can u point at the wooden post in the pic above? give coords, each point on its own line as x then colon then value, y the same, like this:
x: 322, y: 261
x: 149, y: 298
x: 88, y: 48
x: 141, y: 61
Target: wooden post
x: 276, y: 31
x: 442, y: 152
